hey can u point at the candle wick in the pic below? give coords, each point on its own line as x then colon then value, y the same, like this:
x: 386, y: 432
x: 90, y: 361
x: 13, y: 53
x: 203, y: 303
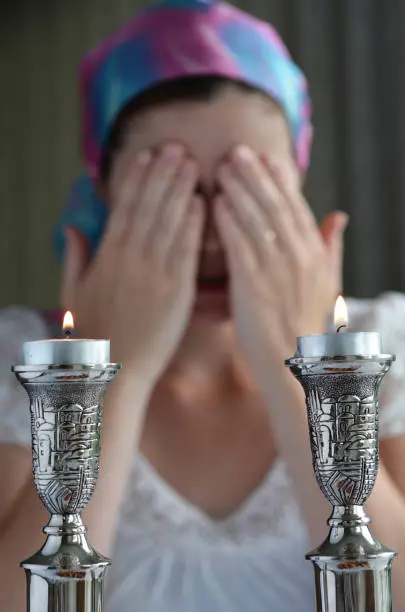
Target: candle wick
x: 342, y: 326
x: 68, y: 333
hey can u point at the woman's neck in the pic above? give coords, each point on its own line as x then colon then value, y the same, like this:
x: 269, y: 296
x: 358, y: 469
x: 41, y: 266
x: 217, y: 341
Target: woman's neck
x: 208, y: 356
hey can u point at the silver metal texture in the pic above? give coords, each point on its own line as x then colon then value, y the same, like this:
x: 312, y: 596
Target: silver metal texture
x: 67, y: 574
x: 352, y: 569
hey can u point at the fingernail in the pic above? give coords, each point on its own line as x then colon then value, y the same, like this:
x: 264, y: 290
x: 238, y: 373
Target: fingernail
x: 242, y: 153
x: 344, y: 220
x: 144, y: 157
x: 174, y: 152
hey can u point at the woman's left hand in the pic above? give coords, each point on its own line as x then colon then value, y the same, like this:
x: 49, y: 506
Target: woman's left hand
x: 285, y: 272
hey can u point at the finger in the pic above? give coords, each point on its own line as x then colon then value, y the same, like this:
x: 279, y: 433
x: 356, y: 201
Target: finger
x: 334, y: 222
x: 332, y: 230
x: 171, y: 217
x: 251, y: 218
x: 184, y: 255
x: 238, y: 248
x: 269, y: 197
x: 287, y: 182
x: 125, y: 187
x: 155, y: 189
x: 77, y: 257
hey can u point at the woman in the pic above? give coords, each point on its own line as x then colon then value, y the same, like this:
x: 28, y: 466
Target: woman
x: 196, y: 135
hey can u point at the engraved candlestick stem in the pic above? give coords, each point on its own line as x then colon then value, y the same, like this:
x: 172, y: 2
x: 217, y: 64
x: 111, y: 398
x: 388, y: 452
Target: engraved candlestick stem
x: 67, y: 574
x: 352, y: 569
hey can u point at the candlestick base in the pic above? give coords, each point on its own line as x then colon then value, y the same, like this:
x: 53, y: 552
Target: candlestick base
x: 352, y: 568
x: 67, y: 574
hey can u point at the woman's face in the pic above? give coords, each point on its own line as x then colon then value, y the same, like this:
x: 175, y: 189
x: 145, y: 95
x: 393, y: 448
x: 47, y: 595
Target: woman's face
x: 209, y: 131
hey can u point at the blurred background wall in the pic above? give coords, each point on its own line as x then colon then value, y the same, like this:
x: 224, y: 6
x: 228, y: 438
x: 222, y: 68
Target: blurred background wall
x: 353, y: 52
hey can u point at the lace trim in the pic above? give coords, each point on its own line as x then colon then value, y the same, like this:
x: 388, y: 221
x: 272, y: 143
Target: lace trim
x: 153, y: 507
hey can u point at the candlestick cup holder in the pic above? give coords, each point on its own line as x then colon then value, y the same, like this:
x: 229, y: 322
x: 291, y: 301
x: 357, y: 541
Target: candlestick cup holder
x: 352, y: 568
x: 67, y: 574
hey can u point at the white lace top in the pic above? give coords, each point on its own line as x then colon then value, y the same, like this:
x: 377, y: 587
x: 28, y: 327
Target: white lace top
x: 169, y: 556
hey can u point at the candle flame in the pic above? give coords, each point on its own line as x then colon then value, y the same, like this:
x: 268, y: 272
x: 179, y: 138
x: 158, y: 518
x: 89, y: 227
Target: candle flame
x: 341, y: 316
x: 68, y: 322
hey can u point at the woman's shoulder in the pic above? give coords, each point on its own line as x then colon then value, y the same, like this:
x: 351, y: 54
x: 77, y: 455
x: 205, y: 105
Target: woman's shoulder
x: 18, y: 325
x: 21, y: 318
x: 385, y: 314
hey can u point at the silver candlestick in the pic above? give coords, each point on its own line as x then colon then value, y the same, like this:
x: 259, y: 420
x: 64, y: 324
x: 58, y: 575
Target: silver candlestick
x: 67, y: 574
x: 341, y: 375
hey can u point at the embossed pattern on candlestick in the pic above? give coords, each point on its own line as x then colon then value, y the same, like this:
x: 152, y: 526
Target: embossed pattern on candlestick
x: 343, y: 420
x: 65, y: 442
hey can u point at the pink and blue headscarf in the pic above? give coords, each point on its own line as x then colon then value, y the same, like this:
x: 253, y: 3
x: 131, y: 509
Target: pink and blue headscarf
x: 170, y: 40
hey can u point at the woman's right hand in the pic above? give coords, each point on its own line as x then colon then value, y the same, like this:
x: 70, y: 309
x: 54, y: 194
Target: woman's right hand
x: 139, y: 290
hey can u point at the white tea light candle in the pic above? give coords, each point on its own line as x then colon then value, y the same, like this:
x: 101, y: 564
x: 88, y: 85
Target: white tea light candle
x: 66, y: 351
x: 341, y: 343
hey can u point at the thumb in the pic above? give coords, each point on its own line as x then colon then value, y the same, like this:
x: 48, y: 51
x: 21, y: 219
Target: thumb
x: 332, y: 230
x: 333, y: 227
x: 75, y: 263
